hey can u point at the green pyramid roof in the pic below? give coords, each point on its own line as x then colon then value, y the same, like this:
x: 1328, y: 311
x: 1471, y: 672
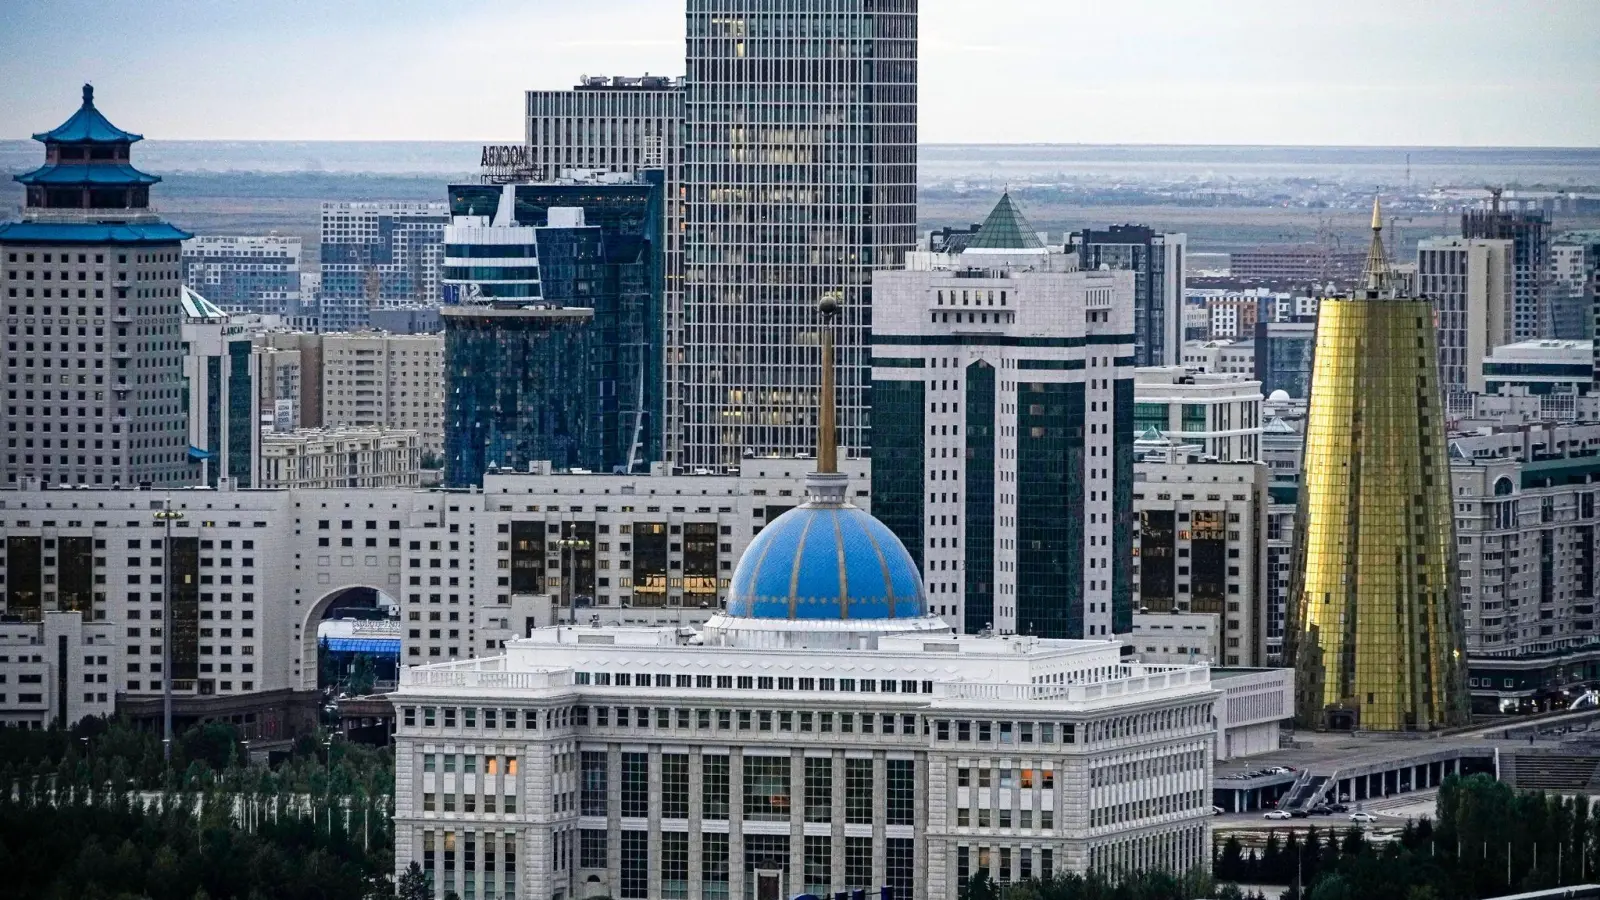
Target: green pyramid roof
x: 1006, y: 229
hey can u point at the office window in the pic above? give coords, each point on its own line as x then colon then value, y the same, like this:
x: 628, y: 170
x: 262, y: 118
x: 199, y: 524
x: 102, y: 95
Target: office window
x: 859, y: 795
x: 714, y: 788
x: 766, y: 788
x: 675, y: 788
x: 819, y: 789
x: 635, y: 865
x: 635, y: 793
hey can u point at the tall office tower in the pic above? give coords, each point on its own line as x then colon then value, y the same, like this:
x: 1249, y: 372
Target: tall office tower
x: 1002, y: 399
x: 91, y: 279
x: 1529, y: 233
x: 249, y: 274
x: 379, y: 256
x: 801, y: 119
x: 626, y: 124
x: 1470, y: 283
x: 554, y: 342
x: 1157, y: 261
x: 1375, y: 633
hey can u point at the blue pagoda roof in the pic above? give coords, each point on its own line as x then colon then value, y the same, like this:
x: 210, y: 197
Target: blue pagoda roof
x: 92, y: 232
x: 87, y: 126
x: 97, y: 173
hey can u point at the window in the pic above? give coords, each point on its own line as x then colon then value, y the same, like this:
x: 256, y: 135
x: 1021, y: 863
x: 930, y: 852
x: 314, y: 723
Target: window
x: 858, y: 862
x: 766, y: 788
x: 819, y: 789
x: 714, y: 865
x: 858, y: 791
x: 675, y: 789
x: 675, y: 865
x: 635, y: 792
x: 592, y: 848
x: 899, y: 860
x: 635, y: 865
x: 902, y: 791
x: 714, y: 787
x: 592, y: 790
x: 819, y: 865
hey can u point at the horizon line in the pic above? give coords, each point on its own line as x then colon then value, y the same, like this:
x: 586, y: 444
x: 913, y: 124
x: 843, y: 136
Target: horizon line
x: 1145, y: 144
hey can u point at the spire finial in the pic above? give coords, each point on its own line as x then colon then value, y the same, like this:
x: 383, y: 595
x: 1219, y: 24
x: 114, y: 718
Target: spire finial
x: 88, y: 95
x: 1377, y: 269
x: 827, y: 440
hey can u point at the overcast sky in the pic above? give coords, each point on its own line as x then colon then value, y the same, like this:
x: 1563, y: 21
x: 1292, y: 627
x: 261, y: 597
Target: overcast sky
x: 1384, y: 72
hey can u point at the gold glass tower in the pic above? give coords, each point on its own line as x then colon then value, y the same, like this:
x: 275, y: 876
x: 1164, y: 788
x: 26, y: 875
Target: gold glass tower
x: 1375, y: 633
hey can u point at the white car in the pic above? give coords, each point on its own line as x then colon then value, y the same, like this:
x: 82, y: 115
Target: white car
x: 1278, y: 814
x: 1363, y: 817
x: 1217, y: 810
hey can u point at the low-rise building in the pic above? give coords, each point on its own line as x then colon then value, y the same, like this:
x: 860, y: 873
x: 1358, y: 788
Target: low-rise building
x: 1221, y: 413
x: 1174, y: 638
x: 56, y: 671
x: 467, y: 570
x: 1541, y: 367
x: 322, y: 459
x: 1199, y: 544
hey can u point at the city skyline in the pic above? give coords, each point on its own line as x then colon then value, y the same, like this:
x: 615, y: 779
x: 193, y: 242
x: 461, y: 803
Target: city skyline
x: 1388, y: 74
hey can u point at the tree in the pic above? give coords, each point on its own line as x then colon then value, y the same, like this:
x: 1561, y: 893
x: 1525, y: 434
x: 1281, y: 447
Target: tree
x: 413, y: 884
x: 981, y: 887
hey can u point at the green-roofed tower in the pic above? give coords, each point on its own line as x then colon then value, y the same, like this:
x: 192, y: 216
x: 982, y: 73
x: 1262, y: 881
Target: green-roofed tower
x: 1006, y: 230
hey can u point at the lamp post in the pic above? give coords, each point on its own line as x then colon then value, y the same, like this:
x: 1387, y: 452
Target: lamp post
x: 567, y: 545
x: 166, y: 516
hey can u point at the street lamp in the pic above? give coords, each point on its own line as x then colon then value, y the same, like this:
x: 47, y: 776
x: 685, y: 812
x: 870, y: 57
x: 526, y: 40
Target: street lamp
x: 166, y: 516
x: 567, y: 545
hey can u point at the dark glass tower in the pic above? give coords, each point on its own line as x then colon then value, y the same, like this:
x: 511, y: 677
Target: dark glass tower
x: 800, y: 123
x: 559, y: 357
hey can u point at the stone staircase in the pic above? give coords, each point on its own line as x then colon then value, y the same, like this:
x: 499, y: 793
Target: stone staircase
x: 1560, y: 773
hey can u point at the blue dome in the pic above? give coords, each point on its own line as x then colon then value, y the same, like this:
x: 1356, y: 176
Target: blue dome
x: 821, y: 562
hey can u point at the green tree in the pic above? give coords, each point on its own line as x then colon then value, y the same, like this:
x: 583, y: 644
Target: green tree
x: 413, y: 884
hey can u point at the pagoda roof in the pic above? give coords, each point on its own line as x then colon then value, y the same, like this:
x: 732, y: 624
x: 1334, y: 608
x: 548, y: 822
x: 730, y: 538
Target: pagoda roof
x: 91, y: 173
x: 92, y: 232
x: 87, y: 126
x: 1006, y: 229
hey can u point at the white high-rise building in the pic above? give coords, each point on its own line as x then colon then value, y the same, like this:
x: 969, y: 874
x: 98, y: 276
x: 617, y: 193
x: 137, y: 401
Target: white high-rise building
x: 1470, y: 283
x: 1002, y: 406
x: 1219, y: 412
x: 385, y: 380
x: 801, y: 180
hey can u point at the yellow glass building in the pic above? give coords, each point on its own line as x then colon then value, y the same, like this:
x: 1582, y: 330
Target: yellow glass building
x: 1374, y: 632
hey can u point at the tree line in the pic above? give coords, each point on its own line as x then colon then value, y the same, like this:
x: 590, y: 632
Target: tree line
x: 95, y: 812
x: 1486, y: 840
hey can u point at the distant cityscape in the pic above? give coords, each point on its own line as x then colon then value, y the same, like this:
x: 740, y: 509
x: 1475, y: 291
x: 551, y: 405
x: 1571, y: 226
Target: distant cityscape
x: 719, y: 494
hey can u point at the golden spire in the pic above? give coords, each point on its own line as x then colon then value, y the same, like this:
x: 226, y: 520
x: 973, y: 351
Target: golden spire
x: 1377, y: 270
x: 827, y: 440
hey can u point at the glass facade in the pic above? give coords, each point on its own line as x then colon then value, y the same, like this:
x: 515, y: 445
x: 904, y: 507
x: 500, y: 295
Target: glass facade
x: 24, y: 577
x: 241, y: 422
x: 1050, y: 459
x: 509, y: 397
x: 899, y: 411
x: 612, y: 266
x: 1376, y: 633
x: 800, y: 126
x: 1122, y: 503
x: 1157, y: 540
x: 184, y: 590
x: 979, y: 538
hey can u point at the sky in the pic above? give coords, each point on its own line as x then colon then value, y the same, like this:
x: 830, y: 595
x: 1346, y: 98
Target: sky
x: 1315, y: 72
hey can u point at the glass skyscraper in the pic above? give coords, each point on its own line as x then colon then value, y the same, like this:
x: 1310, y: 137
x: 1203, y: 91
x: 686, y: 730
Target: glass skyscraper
x: 1375, y: 633
x: 800, y: 123
x: 1157, y: 262
x: 553, y: 325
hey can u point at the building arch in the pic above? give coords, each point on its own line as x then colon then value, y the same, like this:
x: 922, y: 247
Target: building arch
x: 304, y: 672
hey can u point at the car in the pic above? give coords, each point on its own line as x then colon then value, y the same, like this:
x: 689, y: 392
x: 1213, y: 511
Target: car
x: 1279, y: 770
x: 1339, y: 807
x: 1321, y: 810
x: 1277, y: 814
x: 1216, y: 810
x: 1364, y: 817
x: 1299, y: 814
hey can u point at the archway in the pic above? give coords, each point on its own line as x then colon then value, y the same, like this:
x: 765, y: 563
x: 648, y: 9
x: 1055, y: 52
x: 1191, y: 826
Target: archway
x: 373, y: 612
